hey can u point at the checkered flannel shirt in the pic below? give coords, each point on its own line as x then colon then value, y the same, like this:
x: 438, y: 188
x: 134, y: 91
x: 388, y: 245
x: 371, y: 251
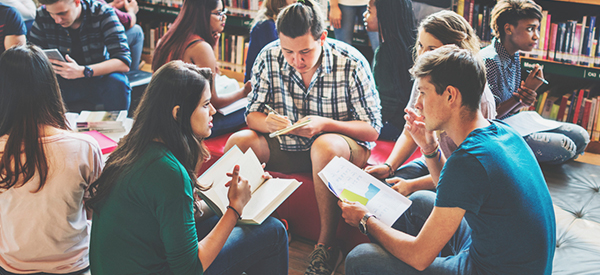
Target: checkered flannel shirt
x: 503, y: 71
x: 100, y: 32
x: 342, y: 88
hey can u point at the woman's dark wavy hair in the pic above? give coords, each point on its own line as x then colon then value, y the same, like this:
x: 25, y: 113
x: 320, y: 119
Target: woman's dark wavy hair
x: 193, y: 19
x: 397, y: 30
x: 29, y: 99
x: 174, y: 84
x: 300, y: 18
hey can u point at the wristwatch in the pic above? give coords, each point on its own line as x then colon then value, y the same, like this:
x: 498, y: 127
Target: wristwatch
x: 362, y: 225
x: 88, y: 72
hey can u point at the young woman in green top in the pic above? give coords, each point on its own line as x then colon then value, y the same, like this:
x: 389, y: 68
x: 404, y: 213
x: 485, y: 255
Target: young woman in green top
x: 143, y: 204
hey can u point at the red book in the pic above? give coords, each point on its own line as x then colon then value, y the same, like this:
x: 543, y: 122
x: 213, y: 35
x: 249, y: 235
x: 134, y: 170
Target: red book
x: 586, y: 113
x: 562, y: 107
x: 107, y: 145
x: 578, y: 106
x: 552, y: 42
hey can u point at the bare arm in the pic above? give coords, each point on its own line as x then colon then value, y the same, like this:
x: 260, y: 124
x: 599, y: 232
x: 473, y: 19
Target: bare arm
x: 403, y: 149
x: 420, y: 251
x: 72, y: 70
x: 132, y: 8
x: 14, y: 40
x: 202, y: 55
x: 356, y: 129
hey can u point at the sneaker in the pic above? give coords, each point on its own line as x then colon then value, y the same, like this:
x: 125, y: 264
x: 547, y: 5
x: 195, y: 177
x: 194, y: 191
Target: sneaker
x: 323, y: 260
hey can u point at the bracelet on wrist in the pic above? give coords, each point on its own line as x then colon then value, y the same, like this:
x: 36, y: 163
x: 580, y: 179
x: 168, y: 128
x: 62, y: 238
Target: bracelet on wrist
x: 235, y: 211
x: 435, y: 152
x: 390, y: 169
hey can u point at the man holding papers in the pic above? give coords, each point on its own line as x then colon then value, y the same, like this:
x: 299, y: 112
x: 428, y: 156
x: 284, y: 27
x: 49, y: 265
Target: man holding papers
x: 492, y: 213
x: 305, y: 76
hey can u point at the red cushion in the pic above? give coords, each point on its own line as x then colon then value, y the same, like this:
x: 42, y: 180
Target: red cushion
x: 300, y: 209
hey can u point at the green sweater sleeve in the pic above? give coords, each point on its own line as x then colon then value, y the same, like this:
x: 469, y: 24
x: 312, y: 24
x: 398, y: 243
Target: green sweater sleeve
x: 170, y: 191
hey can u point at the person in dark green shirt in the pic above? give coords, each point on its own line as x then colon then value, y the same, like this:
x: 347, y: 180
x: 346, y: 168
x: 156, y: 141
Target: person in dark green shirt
x: 143, y: 203
x: 395, y: 22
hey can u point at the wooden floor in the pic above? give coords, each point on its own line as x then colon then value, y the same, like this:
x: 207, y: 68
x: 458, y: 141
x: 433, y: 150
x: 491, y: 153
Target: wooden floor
x: 299, y: 251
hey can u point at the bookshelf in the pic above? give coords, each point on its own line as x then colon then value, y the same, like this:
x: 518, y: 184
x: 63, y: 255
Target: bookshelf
x: 570, y: 67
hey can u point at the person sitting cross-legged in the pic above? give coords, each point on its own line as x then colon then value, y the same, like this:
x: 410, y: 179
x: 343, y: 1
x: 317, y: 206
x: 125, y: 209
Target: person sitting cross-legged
x: 305, y: 76
x: 83, y: 30
x: 491, y: 214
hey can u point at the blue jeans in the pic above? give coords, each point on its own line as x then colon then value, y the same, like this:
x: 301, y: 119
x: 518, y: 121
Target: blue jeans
x: 372, y: 258
x: 254, y: 249
x: 109, y: 92
x: 389, y: 132
x: 558, y: 145
x: 229, y: 123
x: 135, y: 39
x: 412, y: 170
x: 350, y: 15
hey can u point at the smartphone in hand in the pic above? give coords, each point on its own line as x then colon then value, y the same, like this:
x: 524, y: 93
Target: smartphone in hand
x: 54, y: 54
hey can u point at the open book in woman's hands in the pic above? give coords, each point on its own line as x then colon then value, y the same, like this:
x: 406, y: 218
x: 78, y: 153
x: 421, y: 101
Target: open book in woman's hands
x: 267, y: 194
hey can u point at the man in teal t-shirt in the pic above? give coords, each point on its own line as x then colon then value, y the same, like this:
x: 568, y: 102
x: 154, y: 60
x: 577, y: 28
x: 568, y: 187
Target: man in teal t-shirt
x: 492, y: 213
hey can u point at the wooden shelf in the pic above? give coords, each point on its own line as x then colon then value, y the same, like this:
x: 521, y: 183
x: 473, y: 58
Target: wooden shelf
x: 591, y: 2
x: 559, y: 68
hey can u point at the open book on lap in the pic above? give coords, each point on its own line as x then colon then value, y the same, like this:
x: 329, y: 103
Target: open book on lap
x: 267, y: 195
x: 346, y: 181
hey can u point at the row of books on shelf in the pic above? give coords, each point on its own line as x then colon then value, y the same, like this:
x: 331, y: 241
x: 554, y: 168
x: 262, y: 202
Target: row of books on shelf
x: 478, y: 17
x: 577, y: 107
x: 232, y: 53
x: 244, y: 4
x: 153, y: 32
x: 571, y: 42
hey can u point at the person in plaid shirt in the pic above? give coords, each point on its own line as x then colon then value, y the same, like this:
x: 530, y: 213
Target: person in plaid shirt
x: 305, y: 76
x: 84, y: 31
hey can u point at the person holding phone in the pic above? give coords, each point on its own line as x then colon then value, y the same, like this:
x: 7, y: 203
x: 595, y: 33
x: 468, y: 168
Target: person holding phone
x: 193, y: 38
x: 83, y: 31
x: 515, y: 24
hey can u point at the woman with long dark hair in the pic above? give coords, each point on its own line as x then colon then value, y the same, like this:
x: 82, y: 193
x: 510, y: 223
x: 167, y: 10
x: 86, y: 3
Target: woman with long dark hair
x: 395, y: 22
x: 45, y: 170
x: 144, y: 221
x: 193, y: 38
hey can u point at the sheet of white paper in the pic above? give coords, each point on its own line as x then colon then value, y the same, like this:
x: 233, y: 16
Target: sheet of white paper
x: 383, y: 202
x: 526, y: 123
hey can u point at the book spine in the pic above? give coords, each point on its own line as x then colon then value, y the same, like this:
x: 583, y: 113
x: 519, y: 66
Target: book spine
x: 471, y: 10
x: 577, y: 107
x: 590, y: 40
x: 576, y: 45
x: 596, y: 133
x: 460, y: 8
x: 592, y: 117
x: 586, y: 114
x: 568, y: 46
x: 552, y: 43
x: 582, y: 40
x: 542, y: 39
x: 572, y: 106
x: 560, y: 39
x: 562, y: 107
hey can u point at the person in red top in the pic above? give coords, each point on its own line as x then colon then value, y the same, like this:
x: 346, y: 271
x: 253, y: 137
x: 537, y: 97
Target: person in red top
x: 193, y: 38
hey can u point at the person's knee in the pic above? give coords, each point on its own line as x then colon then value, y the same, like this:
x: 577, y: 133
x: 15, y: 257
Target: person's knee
x: 277, y: 232
x: 422, y: 200
x: 329, y: 145
x: 361, y: 257
x: 244, y: 139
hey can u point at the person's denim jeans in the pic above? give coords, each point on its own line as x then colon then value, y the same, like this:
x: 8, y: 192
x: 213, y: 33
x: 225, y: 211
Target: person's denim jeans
x: 109, y: 92
x: 412, y: 170
x: 372, y: 258
x: 350, y: 15
x: 254, y: 249
x: 135, y: 39
x: 559, y: 145
x: 229, y: 123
